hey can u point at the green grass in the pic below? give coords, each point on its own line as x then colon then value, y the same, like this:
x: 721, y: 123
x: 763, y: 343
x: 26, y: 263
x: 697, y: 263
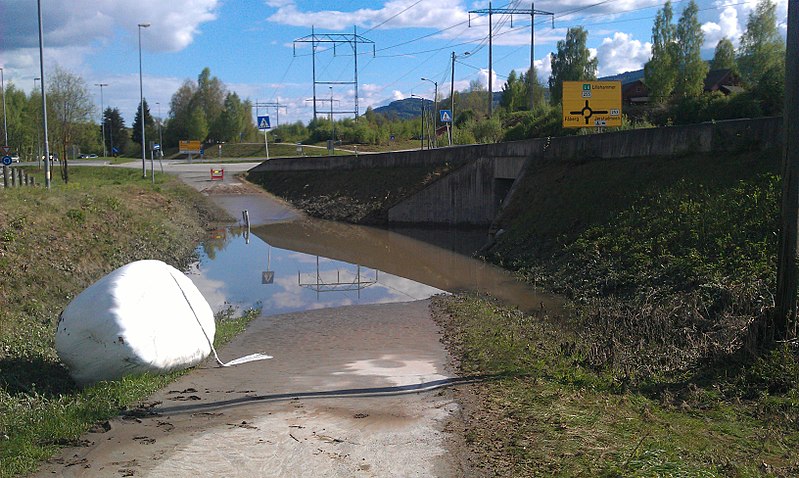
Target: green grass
x: 544, y: 413
x: 53, y: 244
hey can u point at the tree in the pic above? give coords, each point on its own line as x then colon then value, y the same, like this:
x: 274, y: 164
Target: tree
x: 762, y: 48
x: 210, y: 97
x: 724, y: 56
x: 572, y: 62
x: 660, y: 72
x: 514, y: 93
x: 69, y: 108
x: 149, y: 125
x: 116, y: 135
x: 691, y: 69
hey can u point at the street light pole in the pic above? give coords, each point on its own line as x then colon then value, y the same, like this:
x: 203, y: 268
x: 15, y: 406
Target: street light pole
x: 332, y: 124
x: 44, y: 99
x: 102, y: 115
x: 141, y: 107
x: 38, y: 134
x: 5, y: 125
x: 435, y: 110
x: 421, y: 136
x: 160, y: 136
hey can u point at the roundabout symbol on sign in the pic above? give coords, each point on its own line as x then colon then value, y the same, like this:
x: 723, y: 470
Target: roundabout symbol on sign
x: 7, y: 160
x: 587, y: 112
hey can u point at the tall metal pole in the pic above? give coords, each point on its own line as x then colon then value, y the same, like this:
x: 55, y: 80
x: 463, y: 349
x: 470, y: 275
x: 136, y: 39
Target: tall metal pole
x: 313, y: 67
x: 102, y: 115
x: 160, y: 136
x: 141, y: 108
x: 332, y: 124
x: 785, y: 319
x: 452, y: 98
x: 490, y: 61
x: 531, y: 77
x: 38, y: 134
x: 5, y: 124
x: 44, y: 100
x: 435, y: 110
x: 355, y: 51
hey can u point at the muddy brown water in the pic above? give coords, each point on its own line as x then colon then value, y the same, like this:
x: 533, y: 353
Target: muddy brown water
x: 305, y: 264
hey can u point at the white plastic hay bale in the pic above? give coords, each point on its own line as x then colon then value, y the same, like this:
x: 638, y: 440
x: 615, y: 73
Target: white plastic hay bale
x: 146, y: 316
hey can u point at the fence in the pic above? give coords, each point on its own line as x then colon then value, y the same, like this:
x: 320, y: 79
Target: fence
x: 16, y: 177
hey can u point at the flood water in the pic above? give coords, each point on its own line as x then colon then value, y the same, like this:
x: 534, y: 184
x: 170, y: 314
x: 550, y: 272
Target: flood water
x: 309, y: 264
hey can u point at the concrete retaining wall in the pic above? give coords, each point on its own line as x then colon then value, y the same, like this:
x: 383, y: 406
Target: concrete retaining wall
x: 730, y: 135
x: 473, y: 193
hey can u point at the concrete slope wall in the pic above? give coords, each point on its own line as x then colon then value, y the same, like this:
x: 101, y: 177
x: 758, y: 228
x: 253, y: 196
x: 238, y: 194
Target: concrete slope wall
x: 461, y: 197
x: 473, y: 193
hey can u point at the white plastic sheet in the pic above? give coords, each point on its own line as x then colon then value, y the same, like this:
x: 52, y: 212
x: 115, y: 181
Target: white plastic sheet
x: 146, y: 316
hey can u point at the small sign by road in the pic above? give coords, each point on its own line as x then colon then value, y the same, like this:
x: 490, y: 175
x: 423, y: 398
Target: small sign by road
x: 263, y: 123
x: 446, y: 116
x: 6, y: 149
x: 7, y: 160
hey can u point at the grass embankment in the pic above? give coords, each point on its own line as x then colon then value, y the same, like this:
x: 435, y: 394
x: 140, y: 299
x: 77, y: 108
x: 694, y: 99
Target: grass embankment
x: 360, y: 196
x: 658, y: 367
x: 53, y: 244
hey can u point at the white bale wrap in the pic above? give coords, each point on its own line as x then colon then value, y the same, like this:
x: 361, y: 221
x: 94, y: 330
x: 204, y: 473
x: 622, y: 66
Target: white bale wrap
x: 146, y: 316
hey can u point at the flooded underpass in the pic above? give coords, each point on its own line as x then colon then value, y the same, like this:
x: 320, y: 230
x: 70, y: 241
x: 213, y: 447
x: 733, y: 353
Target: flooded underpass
x: 311, y: 264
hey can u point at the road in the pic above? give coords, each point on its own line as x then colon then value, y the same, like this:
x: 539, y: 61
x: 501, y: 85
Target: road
x: 351, y: 391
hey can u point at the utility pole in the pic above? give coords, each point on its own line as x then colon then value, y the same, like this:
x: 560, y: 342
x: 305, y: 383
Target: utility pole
x: 512, y: 11
x: 44, y: 99
x: 785, y: 319
x: 5, y: 124
x: 435, y: 108
x: 351, y: 39
x: 102, y: 115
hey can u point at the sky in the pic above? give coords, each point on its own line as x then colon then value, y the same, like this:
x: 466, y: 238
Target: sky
x: 252, y: 47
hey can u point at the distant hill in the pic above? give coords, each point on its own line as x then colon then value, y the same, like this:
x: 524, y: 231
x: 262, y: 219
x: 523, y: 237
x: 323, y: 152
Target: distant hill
x: 403, y: 109
x: 626, y: 77
x: 412, y: 107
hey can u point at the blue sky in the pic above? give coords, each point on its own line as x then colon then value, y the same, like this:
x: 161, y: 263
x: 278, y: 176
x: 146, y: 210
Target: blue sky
x: 249, y: 44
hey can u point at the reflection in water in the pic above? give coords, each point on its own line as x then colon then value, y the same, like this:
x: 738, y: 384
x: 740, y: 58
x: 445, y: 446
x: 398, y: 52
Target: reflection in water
x: 311, y: 264
x: 234, y: 269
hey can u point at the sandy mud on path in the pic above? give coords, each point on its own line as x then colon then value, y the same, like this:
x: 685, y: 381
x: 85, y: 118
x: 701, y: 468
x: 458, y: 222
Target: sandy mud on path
x: 352, y: 391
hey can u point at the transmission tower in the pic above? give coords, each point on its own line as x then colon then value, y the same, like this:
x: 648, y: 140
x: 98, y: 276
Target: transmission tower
x: 511, y: 11
x: 351, y: 39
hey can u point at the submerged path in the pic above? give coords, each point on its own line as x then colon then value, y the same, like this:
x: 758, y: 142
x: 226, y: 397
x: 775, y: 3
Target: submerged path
x: 351, y: 391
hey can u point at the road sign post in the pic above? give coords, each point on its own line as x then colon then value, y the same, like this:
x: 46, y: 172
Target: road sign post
x: 264, y: 125
x: 591, y: 104
x: 446, y: 118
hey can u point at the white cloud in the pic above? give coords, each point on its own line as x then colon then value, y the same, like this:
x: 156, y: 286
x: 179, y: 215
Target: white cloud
x: 621, y: 53
x: 72, y: 30
x: 397, y: 95
x: 543, y: 68
x: 727, y: 26
x: 396, y: 14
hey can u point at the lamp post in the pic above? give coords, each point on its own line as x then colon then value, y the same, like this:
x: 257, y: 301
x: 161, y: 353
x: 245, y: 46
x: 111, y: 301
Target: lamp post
x: 141, y: 107
x: 160, y: 136
x: 421, y: 136
x: 102, y: 115
x: 332, y: 124
x: 435, y: 109
x: 44, y: 99
x: 38, y: 133
x: 452, y: 94
x: 5, y: 125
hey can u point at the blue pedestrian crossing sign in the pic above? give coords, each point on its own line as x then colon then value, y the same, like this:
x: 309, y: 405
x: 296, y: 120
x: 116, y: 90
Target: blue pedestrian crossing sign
x: 263, y: 123
x: 446, y: 116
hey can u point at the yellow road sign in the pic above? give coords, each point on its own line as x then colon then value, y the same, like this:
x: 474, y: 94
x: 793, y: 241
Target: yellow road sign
x: 591, y: 103
x: 190, y: 147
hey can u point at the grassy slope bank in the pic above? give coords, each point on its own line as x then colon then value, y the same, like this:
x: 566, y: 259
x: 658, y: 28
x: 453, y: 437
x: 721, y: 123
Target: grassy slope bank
x: 669, y: 264
x: 52, y: 245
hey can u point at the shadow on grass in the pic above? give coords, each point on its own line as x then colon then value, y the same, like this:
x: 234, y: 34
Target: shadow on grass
x: 29, y: 376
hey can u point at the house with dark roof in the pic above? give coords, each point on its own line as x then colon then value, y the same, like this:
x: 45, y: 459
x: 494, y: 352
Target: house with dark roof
x: 634, y: 91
